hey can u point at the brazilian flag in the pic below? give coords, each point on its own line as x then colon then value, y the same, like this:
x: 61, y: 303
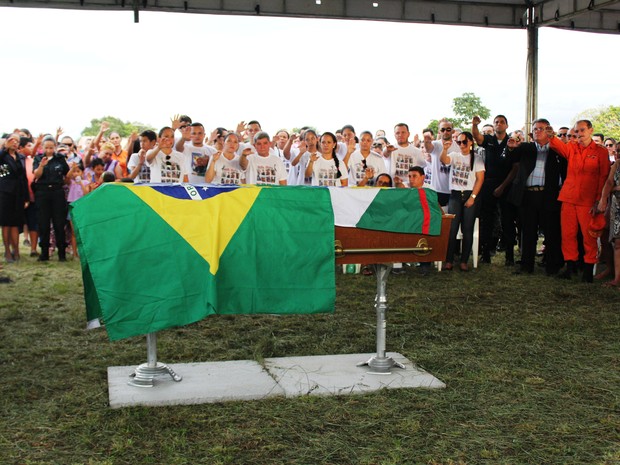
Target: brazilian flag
x: 158, y: 256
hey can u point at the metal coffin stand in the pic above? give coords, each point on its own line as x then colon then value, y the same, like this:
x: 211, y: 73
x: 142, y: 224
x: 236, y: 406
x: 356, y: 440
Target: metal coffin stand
x: 381, y: 249
x: 367, y: 247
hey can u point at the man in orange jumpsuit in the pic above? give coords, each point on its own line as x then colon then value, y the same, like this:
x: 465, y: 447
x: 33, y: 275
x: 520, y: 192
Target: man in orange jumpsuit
x: 588, y: 168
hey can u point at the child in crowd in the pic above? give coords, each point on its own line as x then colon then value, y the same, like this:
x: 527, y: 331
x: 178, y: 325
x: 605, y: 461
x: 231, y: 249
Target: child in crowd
x: 195, y: 152
x: 78, y: 188
x: 139, y: 171
x: 97, y: 168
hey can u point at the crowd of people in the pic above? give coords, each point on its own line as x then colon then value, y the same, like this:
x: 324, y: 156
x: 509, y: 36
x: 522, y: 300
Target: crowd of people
x: 563, y: 185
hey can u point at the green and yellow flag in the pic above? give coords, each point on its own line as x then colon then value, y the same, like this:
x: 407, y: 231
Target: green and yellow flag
x: 156, y: 256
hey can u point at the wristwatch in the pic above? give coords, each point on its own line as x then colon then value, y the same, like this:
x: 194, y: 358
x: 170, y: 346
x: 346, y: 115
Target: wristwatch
x: 473, y: 196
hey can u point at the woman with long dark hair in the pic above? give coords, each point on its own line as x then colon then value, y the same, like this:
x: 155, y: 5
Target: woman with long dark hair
x: 327, y: 169
x: 224, y: 165
x: 307, y: 147
x: 466, y: 178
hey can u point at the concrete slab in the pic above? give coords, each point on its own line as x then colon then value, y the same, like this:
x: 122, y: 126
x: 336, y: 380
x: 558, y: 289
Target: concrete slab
x: 202, y: 383
x: 338, y: 374
x: 246, y: 380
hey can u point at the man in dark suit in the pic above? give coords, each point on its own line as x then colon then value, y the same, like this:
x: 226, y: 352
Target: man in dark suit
x: 535, y: 191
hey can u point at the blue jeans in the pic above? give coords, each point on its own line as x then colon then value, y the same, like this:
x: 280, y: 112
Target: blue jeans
x: 465, y: 218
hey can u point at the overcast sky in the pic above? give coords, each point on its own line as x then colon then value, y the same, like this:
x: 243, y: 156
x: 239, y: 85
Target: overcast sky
x: 63, y: 68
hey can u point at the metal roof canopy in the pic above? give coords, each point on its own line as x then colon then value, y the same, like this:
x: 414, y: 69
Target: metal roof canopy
x: 601, y: 16
x: 580, y: 15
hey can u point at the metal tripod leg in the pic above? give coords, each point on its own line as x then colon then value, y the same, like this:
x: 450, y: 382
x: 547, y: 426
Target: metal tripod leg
x: 145, y: 374
x: 379, y: 363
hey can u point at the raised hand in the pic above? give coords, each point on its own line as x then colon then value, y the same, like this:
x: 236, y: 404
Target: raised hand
x: 389, y: 148
x: 241, y: 127
x: 175, y: 122
x: 549, y: 131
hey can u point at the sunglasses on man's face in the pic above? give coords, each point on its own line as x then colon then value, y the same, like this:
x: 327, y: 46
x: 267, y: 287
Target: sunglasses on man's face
x: 446, y: 129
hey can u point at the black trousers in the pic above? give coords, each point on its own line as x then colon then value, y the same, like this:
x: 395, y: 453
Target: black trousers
x: 537, y: 215
x: 490, y: 208
x: 465, y: 217
x: 52, y: 207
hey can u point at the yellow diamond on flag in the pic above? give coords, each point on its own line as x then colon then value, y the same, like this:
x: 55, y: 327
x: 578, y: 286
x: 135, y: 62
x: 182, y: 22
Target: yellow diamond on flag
x: 209, y: 238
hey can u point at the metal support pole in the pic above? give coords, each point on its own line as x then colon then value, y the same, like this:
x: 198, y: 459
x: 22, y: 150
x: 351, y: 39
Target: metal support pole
x: 379, y: 363
x: 531, y: 110
x: 136, y: 11
x: 145, y: 374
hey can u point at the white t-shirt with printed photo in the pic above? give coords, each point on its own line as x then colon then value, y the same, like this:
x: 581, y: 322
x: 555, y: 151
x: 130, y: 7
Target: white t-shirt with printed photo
x: 404, y: 158
x: 280, y: 154
x: 440, y: 173
x: 357, y: 171
x: 167, y: 168
x: 324, y: 172
x: 265, y: 170
x: 227, y: 171
x: 300, y: 178
x: 293, y: 172
x: 145, y: 172
x: 462, y: 177
x: 191, y: 153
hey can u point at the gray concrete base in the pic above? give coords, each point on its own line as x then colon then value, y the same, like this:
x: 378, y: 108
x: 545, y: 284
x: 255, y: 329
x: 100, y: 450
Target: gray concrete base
x: 202, y: 383
x: 247, y: 380
x: 338, y: 375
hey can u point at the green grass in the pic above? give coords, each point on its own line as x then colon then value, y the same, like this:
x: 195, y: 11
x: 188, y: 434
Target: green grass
x: 532, y: 367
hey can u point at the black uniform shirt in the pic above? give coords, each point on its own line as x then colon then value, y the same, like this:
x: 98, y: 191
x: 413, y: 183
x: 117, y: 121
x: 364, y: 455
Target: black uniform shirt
x: 54, y: 172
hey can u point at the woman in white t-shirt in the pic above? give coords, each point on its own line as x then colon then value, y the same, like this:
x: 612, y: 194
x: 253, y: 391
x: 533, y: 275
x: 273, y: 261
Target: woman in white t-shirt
x: 466, y: 178
x: 224, y: 166
x: 307, y: 147
x: 364, y: 164
x: 327, y: 169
